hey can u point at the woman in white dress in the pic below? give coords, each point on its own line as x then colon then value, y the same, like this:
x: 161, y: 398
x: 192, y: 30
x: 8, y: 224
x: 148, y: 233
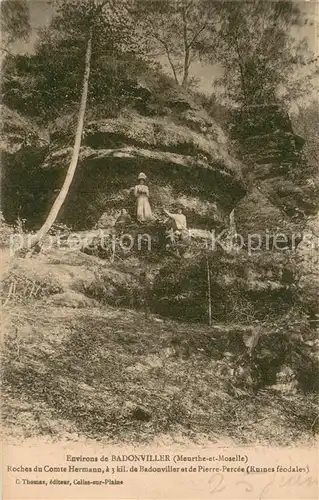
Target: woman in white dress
x: 141, y: 192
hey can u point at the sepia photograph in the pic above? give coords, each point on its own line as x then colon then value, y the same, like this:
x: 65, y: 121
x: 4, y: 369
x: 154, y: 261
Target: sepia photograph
x: 159, y: 237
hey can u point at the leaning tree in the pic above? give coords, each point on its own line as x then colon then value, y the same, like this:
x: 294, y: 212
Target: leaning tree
x: 90, y: 24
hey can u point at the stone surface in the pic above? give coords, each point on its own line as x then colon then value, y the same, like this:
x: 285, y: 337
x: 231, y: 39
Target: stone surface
x: 72, y: 299
x: 281, y: 196
x: 19, y: 132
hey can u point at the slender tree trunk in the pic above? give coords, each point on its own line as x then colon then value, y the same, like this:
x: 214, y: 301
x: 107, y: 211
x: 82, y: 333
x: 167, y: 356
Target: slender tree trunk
x: 172, y: 66
x: 209, y: 294
x: 186, y: 49
x: 186, y: 69
x: 241, y: 69
x: 76, y: 150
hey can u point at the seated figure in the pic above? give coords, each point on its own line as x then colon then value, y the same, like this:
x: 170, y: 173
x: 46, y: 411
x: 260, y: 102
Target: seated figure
x: 179, y: 231
x: 179, y: 219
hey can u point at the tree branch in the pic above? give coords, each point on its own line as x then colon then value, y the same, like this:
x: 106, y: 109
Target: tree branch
x: 167, y: 51
x: 186, y: 48
x: 190, y: 44
x: 4, y: 49
x: 187, y: 6
x: 240, y: 67
x: 169, y: 59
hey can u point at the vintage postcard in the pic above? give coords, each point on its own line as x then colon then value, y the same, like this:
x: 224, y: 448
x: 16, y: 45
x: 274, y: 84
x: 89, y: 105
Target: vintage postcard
x: 159, y: 249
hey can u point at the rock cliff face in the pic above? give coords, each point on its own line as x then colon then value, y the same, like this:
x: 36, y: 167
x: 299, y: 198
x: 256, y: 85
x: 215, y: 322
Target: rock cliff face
x: 261, y: 281
x: 185, y: 154
x: 267, y: 139
x: 20, y: 133
x: 187, y: 159
x: 23, y: 148
x: 283, y: 192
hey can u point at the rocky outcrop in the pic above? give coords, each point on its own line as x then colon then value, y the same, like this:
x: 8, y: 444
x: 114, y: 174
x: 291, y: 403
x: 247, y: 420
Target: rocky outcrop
x: 242, y: 287
x: 182, y: 150
x: 163, y: 134
x: 186, y: 157
x: 308, y: 253
x: 23, y: 147
x: 265, y: 223
x: 19, y: 132
x: 71, y: 278
x: 282, y: 193
x: 71, y: 299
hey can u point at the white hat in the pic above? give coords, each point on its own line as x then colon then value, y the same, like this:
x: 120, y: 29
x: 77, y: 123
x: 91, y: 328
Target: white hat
x: 141, y: 176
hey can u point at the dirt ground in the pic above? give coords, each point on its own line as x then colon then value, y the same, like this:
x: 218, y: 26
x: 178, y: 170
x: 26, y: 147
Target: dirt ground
x: 118, y: 375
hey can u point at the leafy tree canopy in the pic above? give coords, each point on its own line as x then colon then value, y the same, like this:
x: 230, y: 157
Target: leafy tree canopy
x: 258, y: 52
x: 51, y: 79
x: 14, y: 23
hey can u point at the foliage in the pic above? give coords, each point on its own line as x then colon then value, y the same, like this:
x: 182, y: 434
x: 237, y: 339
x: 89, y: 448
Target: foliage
x: 24, y: 186
x: 215, y: 108
x: 258, y: 52
x: 18, y: 289
x: 39, y: 84
x: 15, y: 21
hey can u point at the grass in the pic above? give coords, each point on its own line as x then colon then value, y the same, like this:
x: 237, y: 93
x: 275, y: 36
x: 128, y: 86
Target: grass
x: 123, y: 376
